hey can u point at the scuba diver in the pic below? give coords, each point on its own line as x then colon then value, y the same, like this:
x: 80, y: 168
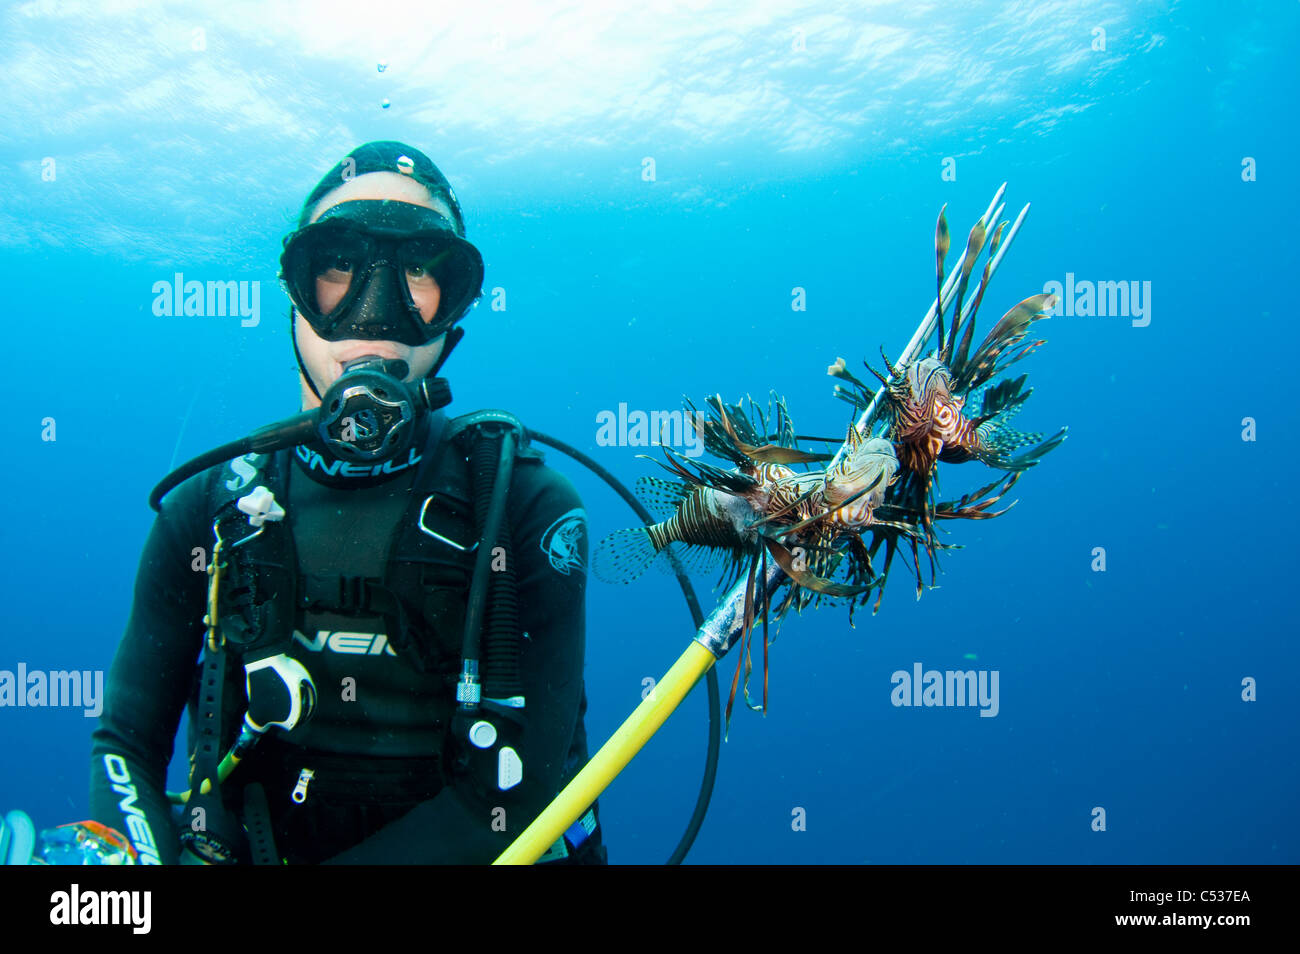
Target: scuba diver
x: 387, y: 602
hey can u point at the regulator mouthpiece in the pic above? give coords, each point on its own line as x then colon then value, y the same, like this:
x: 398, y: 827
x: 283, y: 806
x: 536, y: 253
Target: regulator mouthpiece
x: 368, y: 414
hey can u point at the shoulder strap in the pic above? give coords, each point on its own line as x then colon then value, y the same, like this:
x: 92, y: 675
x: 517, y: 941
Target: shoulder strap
x: 487, y: 416
x: 258, y: 593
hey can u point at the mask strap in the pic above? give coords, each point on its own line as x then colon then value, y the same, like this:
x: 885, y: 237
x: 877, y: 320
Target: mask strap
x: 306, y: 375
x: 453, y: 339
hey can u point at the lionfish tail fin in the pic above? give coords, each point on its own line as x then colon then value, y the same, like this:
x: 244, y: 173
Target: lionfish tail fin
x: 624, y: 555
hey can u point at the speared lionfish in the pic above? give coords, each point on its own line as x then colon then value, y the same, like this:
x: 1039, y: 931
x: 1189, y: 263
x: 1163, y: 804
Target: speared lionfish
x: 761, y: 508
x: 813, y: 521
x: 925, y: 402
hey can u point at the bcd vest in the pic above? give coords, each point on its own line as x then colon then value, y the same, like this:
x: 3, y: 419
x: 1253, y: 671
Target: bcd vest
x: 430, y: 556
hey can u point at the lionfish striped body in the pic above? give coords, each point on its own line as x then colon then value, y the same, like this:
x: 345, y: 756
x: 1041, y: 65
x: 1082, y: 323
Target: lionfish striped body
x: 854, y: 487
x: 705, y: 518
x: 720, y: 522
x: 927, y: 416
x: 929, y: 424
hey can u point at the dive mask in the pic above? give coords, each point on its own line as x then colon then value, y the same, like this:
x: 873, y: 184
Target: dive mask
x: 364, y: 270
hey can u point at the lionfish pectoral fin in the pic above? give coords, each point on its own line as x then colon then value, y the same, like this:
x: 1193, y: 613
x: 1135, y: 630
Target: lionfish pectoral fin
x: 788, y: 564
x: 1002, y: 401
x: 974, y: 505
x: 735, y: 446
x: 1012, y: 326
x: 776, y: 454
x: 661, y: 496
x: 1007, y: 440
x: 674, y: 468
x: 704, y: 474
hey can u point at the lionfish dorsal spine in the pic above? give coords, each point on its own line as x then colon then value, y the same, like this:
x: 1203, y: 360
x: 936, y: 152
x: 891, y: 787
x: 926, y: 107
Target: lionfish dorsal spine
x: 942, y: 240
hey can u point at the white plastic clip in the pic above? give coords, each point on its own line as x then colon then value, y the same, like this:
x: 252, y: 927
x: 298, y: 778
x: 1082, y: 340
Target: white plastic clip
x: 260, y: 506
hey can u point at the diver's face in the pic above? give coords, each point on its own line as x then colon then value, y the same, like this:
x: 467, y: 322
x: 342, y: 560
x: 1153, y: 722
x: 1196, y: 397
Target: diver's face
x: 323, y: 359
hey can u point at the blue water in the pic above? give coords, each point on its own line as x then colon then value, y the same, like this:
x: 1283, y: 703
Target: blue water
x: 793, y: 146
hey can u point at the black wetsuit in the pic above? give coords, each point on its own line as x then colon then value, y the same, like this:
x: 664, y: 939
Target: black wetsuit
x: 380, y: 793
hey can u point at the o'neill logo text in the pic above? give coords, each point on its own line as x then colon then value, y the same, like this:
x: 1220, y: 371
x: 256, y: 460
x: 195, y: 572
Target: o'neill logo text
x: 342, y: 468
x: 351, y: 644
x: 137, y: 825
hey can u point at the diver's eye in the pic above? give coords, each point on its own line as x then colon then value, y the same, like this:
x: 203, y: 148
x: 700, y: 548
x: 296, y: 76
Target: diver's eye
x: 420, y: 280
x: 336, y: 268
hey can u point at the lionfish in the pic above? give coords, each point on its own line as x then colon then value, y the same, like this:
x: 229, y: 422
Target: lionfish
x: 938, y: 408
x: 807, y: 521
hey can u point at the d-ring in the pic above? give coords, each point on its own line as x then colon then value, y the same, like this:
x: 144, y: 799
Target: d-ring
x: 438, y: 536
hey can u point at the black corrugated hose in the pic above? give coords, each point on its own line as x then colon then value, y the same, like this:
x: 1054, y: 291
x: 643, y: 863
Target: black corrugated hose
x: 500, y: 632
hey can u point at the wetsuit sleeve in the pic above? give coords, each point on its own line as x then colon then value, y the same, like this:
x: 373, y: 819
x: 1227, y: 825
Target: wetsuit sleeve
x: 462, y: 825
x: 150, y: 681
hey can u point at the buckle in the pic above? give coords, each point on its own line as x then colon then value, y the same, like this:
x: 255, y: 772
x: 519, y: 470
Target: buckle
x: 348, y: 595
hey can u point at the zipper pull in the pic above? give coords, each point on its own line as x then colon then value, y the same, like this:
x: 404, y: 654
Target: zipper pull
x: 300, y: 790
